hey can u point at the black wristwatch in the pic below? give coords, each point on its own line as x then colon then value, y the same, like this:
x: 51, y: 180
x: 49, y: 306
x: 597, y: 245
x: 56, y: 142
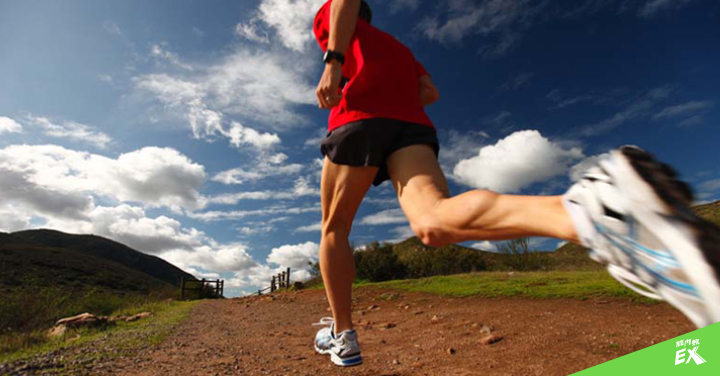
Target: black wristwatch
x: 330, y: 55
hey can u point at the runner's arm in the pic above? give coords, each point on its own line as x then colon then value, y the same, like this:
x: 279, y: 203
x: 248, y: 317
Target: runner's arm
x: 343, y: 19
x: 429, y: 93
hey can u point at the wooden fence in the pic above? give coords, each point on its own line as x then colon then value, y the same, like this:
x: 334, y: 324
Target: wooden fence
x: 280, y: 281
x: 201, y: 289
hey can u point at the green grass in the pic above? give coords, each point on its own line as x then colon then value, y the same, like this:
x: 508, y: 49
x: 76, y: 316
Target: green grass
x: 119, y: 340
x: 556, y: 284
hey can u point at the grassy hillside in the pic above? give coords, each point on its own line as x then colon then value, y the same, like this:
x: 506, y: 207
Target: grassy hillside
x: 47, y: 275
x: 106, y: 249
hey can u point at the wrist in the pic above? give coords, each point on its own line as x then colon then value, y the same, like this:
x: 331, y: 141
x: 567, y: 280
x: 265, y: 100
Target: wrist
x: 333, y: 64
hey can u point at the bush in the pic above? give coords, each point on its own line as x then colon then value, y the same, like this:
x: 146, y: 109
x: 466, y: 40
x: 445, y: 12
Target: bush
x: 378, y: 263
x: 519, y: 257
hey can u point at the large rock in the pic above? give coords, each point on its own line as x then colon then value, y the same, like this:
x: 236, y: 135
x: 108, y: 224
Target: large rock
x: 81, y: 320
x: 138, y: 316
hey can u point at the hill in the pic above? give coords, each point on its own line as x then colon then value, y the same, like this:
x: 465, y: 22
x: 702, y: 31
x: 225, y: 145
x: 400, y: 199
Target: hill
x: 46, y: 275
x: 103, y: 248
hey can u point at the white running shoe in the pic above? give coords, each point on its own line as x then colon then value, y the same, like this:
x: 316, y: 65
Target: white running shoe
x: 344, y: 349
x: 635, y: 216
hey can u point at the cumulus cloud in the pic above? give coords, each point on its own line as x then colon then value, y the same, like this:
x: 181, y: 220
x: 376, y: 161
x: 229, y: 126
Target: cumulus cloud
x: 13, y: 218
x: 515, y: 162
x: 54, y: 178
x: 160, y: 51
x: 484, y: 246
x: 295, y: 256
x: 8, y: 125
x: 71, y: 130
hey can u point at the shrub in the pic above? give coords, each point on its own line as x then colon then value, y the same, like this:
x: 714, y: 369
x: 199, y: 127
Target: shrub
x: 378, y: 263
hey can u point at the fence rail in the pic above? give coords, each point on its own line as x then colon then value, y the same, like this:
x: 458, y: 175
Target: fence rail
x: 203, y: 288
x: 280, y: 281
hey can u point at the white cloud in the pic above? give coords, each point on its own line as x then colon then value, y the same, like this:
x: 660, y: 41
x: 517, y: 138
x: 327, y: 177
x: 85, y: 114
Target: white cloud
x: 301, y: 188
x: 517, y: 81
x: 13, y: 218
x: 385, y: 217
x: 684, y: 109
x: 506, y: 19
x: 653, y: 7
x: 161, y: 52
x: 397, y: 6
x: 315, y: 227
x: 250, y: 32
x: 401, y: 233
x: 8, y: 125
x: 294, y: 256
x: 261, y: 170
x: 72, y: 130
x: 515, y: 162
x: 57, y: 179
x: 291, y: 19
x: 484, y: 246
x: 240, y: 135
x: 211, y: 216
x: 637, y: 109
x: 459, y: 146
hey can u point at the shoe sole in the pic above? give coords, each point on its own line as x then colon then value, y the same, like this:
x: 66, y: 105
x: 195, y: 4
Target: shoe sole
x: 656, y: 195
x: 354, y: 361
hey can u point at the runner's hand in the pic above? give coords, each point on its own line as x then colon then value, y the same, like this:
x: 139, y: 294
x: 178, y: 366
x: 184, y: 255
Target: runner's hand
x: 328, y: 93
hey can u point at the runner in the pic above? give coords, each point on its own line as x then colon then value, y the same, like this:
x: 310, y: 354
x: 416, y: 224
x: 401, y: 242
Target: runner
x: 630, y: 210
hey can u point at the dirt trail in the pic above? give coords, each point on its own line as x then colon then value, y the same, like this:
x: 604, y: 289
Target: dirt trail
x: 272, y: 335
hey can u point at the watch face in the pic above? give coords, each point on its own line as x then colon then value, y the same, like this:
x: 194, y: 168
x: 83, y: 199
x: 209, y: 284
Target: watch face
x: 326, y: 56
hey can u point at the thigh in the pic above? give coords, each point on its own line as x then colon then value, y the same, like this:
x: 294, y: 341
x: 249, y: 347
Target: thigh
x: 417, y: 179
x: 342, y: 189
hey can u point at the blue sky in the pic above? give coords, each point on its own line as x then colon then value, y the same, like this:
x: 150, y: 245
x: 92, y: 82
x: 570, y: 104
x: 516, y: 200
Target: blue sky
x: 188, y: 129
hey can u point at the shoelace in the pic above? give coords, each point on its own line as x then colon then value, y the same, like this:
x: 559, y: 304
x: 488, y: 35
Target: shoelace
x: 325, y: 321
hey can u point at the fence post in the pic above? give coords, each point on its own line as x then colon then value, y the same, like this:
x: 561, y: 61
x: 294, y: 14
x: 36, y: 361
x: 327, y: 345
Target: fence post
x: 272, y: 284
x: 222, y: 288
x: 182, y: 288
x: 287, y: 279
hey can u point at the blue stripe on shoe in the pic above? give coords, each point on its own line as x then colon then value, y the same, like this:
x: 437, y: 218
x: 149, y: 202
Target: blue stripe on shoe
x: 352, y: 361
x: 613, y: 237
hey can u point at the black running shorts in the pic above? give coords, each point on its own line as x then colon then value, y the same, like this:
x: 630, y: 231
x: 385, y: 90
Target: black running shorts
x: 370, y: 142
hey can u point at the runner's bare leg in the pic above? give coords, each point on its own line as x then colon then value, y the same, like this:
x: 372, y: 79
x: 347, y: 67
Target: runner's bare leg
x: 342, y: 190
x: 439, y: 219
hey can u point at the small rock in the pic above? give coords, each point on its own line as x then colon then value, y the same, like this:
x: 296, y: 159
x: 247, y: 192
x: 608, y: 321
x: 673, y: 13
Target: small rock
x: 416, y: 365
x: 489, y: 340
x: 395, y: 361
x: 418, y: 312
x: 372, y: 307
x: 487, y: 329
x: 387, y: 325
x: 450, y: 351
x: 435, y: 319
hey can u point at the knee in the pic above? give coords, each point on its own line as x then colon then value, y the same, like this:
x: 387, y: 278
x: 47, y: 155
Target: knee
x: 431, y: 231
x: 335, y: 230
